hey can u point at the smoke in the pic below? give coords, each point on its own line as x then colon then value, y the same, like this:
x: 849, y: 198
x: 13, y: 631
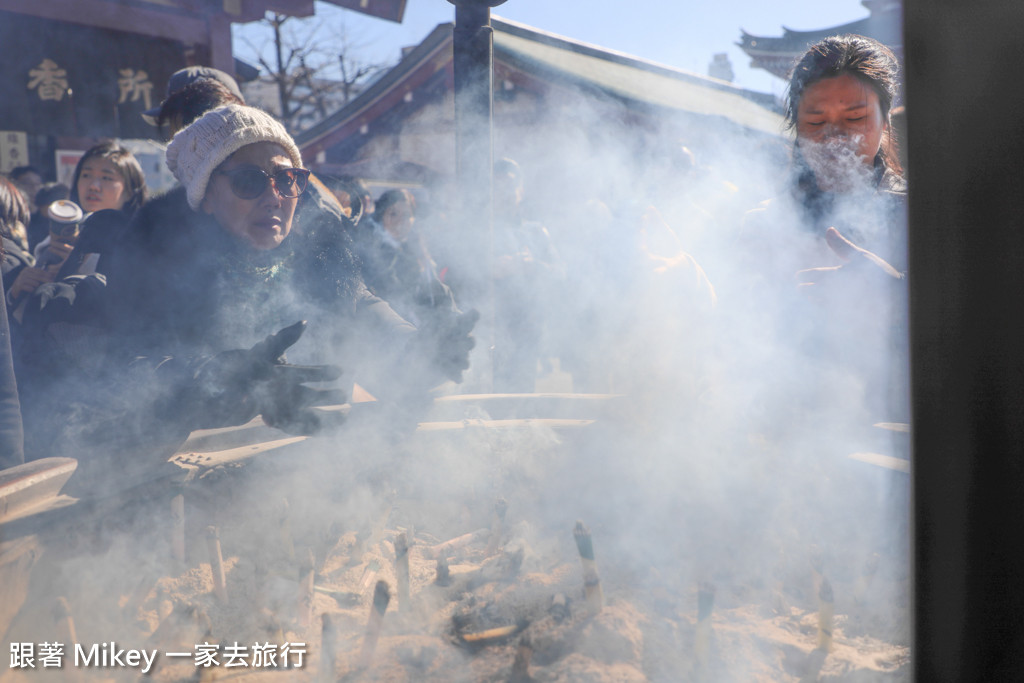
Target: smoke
x: 720, y: 454
x: 836, y: 163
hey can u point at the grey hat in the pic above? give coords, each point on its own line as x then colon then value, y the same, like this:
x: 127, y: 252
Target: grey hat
x: 187, y: 76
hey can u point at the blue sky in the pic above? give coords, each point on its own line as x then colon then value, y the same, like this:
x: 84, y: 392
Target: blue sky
x: 677, y: 33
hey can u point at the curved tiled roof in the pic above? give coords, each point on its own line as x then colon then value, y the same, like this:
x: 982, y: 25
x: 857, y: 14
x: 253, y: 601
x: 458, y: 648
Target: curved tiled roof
x: 777, y: 54
x: 553, y: 58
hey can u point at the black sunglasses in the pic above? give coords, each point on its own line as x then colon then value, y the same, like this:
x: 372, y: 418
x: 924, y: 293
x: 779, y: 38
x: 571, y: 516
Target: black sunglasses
x: 250, y: 183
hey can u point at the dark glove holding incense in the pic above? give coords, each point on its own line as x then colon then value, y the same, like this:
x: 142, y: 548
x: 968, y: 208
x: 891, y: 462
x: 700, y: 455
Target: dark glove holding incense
x: 283, y: 399
x: 448, y: 343
x: 234, y: 386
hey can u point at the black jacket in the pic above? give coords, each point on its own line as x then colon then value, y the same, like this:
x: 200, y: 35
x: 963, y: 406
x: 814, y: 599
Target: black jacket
x: 180, y: 285
x: 11, y: 436
x: 403, y: 274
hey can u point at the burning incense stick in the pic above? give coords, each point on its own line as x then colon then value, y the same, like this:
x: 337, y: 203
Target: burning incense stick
x: 559, y: 608
x: 216, y: 564
x: 489, y: 635
x: 402, y: 572
x: 65, y: 624
x: 139, y: 594
x: 591, y: 580
x: 164, y: 603
x: 328, y: 539
x: 178, y: 528
x: 369, y: 574
x: 860, y: 590
x: 285, y: 529
x: 328, y: 641
x: 448, y: 547
x: 521, y: 664
x: 817, y: 558
x: 826, y: 613
x: 702, y: 637
x: 497, y: 526
x: 444, y: 576
x: 381, y: 598
x: 306, y: 582
x: 66, y: 634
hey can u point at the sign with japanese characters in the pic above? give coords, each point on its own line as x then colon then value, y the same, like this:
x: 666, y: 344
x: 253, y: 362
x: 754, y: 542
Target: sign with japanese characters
x: 64, y: 79
x: 13, y: 149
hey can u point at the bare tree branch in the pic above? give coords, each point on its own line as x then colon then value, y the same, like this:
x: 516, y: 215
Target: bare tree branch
x: 314, y: 68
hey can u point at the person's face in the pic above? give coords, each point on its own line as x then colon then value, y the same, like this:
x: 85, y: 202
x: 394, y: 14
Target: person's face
x: 398, y: 221
x: 507, y: 193
x: 101, y: 186
x: 839, y: 117
x: 263, y: 222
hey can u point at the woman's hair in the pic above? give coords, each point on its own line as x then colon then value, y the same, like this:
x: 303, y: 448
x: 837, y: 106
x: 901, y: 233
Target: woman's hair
x: 126, y: 163
x: 392, y: 197
x: 192, y: 101
x: 865, y: 59
x: 14, y: 213
x: 51, y: 192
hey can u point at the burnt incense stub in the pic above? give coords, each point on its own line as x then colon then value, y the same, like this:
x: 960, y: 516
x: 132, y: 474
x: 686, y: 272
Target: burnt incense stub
x: 583, y: 541
x: 381, y: 597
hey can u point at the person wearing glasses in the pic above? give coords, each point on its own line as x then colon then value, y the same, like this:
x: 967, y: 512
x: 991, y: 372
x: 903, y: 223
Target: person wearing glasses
x: 211, y: 284
x: 222, y: 262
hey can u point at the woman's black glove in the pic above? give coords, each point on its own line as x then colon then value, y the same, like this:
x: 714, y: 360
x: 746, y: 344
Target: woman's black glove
x: 446, y: 341
x: 234, y: 386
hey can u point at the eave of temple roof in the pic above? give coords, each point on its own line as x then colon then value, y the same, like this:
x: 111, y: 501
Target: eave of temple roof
x: 884, y: 26
x: 557, y: 60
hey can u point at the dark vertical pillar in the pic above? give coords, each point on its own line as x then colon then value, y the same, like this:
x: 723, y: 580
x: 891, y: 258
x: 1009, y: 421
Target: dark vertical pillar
x: 966, y: 174
x: 473, y: 55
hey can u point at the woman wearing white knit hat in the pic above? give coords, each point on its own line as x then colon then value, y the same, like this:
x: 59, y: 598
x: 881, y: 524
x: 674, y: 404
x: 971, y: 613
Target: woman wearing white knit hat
x: 202, y: 297
x: 240, y: 165
x: 224, y: 261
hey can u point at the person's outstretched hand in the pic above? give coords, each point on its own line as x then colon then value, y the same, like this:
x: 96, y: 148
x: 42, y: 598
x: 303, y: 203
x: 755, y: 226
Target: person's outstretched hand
x: 855, y: 258
x: 448, y: 343
x: 234, y: 386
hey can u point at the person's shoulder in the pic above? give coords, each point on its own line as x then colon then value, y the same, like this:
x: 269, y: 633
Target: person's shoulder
x: 893, y: 184
x: 169, y: 208
x: 14, y: 250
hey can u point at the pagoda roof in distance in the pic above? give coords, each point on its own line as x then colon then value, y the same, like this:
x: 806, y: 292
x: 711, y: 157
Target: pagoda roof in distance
x: 777, y: 54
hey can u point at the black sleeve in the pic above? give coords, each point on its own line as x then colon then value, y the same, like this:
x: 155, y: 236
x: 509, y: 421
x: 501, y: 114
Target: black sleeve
x: 13, y: 261
x: 12, y: 437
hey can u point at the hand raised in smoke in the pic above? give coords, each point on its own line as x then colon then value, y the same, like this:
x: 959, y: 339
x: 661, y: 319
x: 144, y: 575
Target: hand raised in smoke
x: 447, y: 341
x: 283, y: 400
x: 234, y: 386
x: 854, y: 258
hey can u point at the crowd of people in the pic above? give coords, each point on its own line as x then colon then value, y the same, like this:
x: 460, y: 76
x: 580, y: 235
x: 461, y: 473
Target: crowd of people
x: 139, y: 319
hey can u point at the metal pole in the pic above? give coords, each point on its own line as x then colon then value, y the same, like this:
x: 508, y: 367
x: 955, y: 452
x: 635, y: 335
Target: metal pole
x: 473, y: 66
x: 967, y: 333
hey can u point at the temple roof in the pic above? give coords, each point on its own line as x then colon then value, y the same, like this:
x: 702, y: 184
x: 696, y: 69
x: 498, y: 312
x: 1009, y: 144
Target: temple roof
x: 777, y: 54
x: 553, y: 59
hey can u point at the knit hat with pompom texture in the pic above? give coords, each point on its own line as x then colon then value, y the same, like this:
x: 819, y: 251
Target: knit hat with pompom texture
x: 199, y: 148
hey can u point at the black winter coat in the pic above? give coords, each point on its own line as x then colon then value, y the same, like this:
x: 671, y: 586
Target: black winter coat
x: 181, y: 285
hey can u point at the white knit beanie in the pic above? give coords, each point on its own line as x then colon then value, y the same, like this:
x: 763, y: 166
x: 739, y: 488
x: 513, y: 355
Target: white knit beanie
x: 199, y: 148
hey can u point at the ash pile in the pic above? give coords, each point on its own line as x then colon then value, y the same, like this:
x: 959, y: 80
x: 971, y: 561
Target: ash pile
x: 497, y: 551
